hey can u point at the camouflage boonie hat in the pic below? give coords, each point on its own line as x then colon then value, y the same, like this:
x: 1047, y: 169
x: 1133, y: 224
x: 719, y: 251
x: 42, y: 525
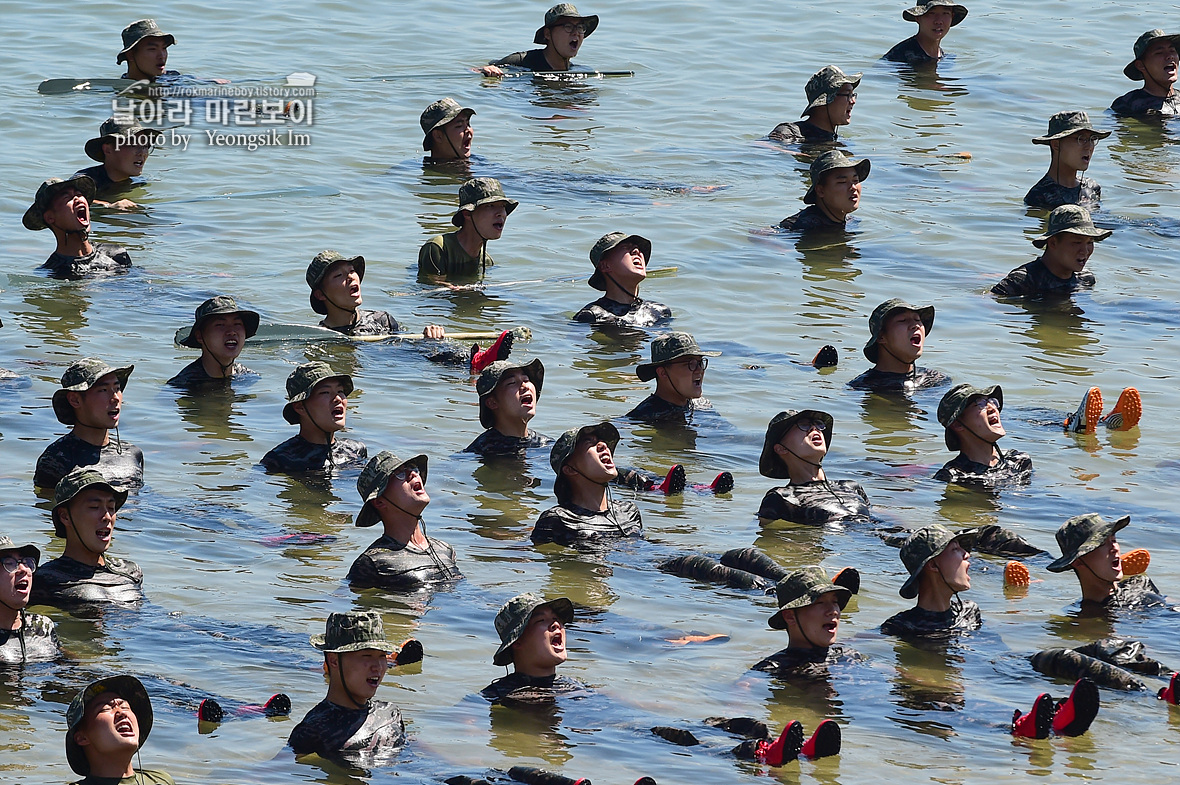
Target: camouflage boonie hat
x: 1065, y: 124
x: 490, y: 377
x: 955, y: 402
x: 478, y: 191
x: 564, y: 11
x: 76, y: 481
x: 80, y: 377
x: 28, y: 549
x: 345, y: 632
x: 563, y: 448
x: 1082, y: 534
x: 319, y: 268
x: 375, y: 477
x: 304, y: 379
x: 958, y: 12
x: 216, y: 306
x: 513, y: 617
x: 668, y: 348
x: 34, y: 218
x: 881, y: 315
x: 1142, y: 43
x: 113, y: 129
x: 924, y: 545
x: 769, y: 464
x: 439, y: 114
x: 129, y: 689
x: 834, y: 159
x: 137, y: 31
x: 608, y: 242
x: 823, y: 85
x: 801, y: 588
x: 1071, y: 218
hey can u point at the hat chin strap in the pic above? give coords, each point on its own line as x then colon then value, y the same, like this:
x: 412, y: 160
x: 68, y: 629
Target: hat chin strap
x: 894, y: 356
x: 344, y: 684
x: 800, y: 457
x: 634, y: 295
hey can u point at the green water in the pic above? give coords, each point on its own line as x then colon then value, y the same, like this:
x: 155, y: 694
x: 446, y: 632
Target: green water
x: 228, y: 615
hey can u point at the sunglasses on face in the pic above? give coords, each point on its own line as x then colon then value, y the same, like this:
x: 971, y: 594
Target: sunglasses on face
x: 807, y: 426
x: 404, y: 472
x: 983, y: 403
x: 694, y: 365
x: 12, y: 563
x: 572, y: 27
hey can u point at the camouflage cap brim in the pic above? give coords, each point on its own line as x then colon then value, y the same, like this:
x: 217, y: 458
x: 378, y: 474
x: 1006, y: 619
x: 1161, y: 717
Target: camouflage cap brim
x: 1083, y: 534
x: 861, y: 167
x: 149, y: 137
x: 1065, y: 124
x: 75, y: 482
x: 375, y: 478
x: 129, y: 689
x: 318, y: 270
x: 958, y: 12
x: 510, y: 205
x: 523, y: 612
x: 302, y: 383
x: 250, y: 320
x: 1070, y: 219
x: 24, y: 549
x: 1131, y: 71
x: 668, y: 349
x: 61, y: 405
x: 769, y: 463
x: 34, y: 217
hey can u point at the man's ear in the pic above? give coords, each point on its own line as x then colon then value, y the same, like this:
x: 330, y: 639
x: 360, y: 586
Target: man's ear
x: 74, y: 399
x: 199, y: 337
x: 780, y: 451
x: 319, y: 295
x: 80, y: 738
x: 491, y: 402
x: 789, y: 618
x: 958, y: 426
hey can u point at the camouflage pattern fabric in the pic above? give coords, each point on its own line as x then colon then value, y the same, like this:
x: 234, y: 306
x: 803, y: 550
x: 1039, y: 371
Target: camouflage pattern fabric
x: 491, y: 443
x: 1073, y: 664
x: 194, y: 375
x: 998, y: 541
x: 533, y: 60
x: 888, y: 382
x: 804, y: 132
x: 144, y: 776
x: 104, y: 259
x: 35, y: 641
x: 519, y: 688
x: 1047, y: 193
x: 573, y: 525
x: 816, y: 503
x: 1140, y: 103
x: 810, y: 219
x: 654, y: 409
x: 121, y: 463
x: 1035, y: 280
x: 355, y: 737
x: 66, y: 583
x: 1135, y: 592
x: 605, y: 312
x: 442, y: 255
x: 795, y: 662
x: 1126, y: 654
x: 388, y: 564
x: 299, y: 455
x: 962, y: 616
x: 909, y: 51
x: 368, y: 323
x: 1013, y: 468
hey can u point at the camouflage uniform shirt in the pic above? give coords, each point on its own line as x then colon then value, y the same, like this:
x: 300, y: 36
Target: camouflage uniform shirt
x: 491, y: 443
x: 356, y: 736
x: 35, y: 641
x: 1140, y: 103
x: 793, y: 661
x: 389, y: 564
x: 1049, y: 194
x: 519, y: 688
x: 1013, y: 468
x: 803, y: 131
x: 816, y: 503
x: 962, y: 616
x: 140, y: 777
x: 367, y: 323
x: 909, y: 51
x: 103, y: 259
x: 532, y: 60
x: 443, y: 256
x: 654, y: 409
x: 1138, y: 591
x: 571, y: 524
x: 120, y: 463
x: 64, y: 582
x: 102, y: 181
x: 194, y: 375
x: 889, y: 382
x: 1034, y: 279
x: 810, y: 219
x: 299, y: 455
x: 605, y: 312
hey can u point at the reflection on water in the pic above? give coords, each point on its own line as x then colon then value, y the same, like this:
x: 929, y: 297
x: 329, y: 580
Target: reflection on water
x: 530, y: 730
x: 1056, y: 332
x: 58, y: 312
x: 926, y: 92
